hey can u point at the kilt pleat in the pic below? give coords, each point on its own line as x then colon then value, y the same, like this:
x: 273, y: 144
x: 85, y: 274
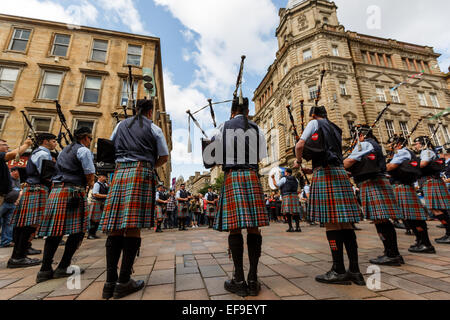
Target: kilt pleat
x: 211, y: 210
x: 62, y: 219
x: 160, y: 212
x: 378, y: 200
x: 435, y: 193
x: 331, y: 197
x: 130, y: 198
x: 31, y: 207
x: 183, y: 209
x: 96, y: 210
x: 291, y: 205
x: 241, y: 203
x: 410, y: 203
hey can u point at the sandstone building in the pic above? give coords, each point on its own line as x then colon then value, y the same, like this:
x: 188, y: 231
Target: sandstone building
x: 84, y: 68
x: 359, y: 68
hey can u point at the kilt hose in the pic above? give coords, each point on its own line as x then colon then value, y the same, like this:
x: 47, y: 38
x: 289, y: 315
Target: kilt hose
x: 130, y: 200
x: 435, y: 193
x: 160, y: 212
x: 182, y: 209
x: 66, y: 212
x: 409, y: 202
x: 31, y: 207
x: 96, y: 210
x: 378, y: 200
x: 241, y: 203
x: 211, y: 210
x: 331, y: 198
x: 291, y: 205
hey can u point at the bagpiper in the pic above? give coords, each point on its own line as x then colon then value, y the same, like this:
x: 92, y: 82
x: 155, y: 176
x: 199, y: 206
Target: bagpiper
x: 241, y: 203
x: 404, y: 168
x: 140, y: 148
x: 211, y: 205
x: 28, y: 214
x: 161, y: 204
x: 99, y: 194
x: 291, y: 208
x: 182, y: 198
x: 436, y: 195
x: 331, y: 199
x: 367, y: 164
x: 66, y: 210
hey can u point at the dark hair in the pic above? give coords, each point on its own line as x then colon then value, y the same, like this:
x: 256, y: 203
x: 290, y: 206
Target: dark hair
x: 45, y: 136
x: 318, y: 111
x: 15, y: 169
x: 425, y: 141
x: 367, y: 132
x: 82, y: 132
x: 142, y: 106
x: 238, y: 108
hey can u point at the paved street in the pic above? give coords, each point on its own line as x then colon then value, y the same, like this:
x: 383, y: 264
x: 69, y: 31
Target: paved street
x: 194, y: 264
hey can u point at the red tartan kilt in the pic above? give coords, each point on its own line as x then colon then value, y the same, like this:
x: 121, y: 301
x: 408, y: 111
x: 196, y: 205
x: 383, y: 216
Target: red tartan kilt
x: 31, y: 207
x: 60, y: 219
x: 378, y: 200
x: 241, y: 203
x: 410, y: 204
x: 130, y: 198
x: 182, y: 209
x: 95, y: 210
x: 291, y: 205
x: 159, y: 212
x: 331, y: 199
x: 435, y: 193
x: 211, y: 210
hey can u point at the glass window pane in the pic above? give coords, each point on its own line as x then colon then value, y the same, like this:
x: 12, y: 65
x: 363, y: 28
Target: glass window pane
x: 93, y: 83
x: 134, y: 60
x: 41, y: 124
x: 59, y: 50
x: 135, y: 50
x: 101, y: 45
x: 91, y: 95
x: 49, y: 92
x: 85, y: 123
x: 19, y: 45
x: 8, y: 74
x: 25, y: 34
x: 6, y: 88
x: 52, y: 78
x: 2, y: 119
x: 99, y: 55
x: 62, y: 39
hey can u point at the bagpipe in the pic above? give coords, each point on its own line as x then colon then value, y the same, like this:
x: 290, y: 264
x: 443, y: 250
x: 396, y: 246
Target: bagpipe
x: 394, y: 140
x: 32, y: 133
x: 63, y: 135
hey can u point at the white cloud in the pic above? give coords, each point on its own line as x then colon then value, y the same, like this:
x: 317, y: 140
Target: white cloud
x: 227, y: 29
x: 188, y: 35
x: 127, y: 12
x: 83, y: 13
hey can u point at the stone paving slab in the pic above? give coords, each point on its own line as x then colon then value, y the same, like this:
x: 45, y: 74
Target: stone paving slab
x: 194, y: 265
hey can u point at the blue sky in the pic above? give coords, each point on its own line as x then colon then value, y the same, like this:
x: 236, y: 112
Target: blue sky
x: 202, y: 41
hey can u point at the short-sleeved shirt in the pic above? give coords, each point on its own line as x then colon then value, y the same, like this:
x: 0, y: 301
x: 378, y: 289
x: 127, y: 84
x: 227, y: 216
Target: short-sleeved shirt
x: 39, y: 156
x: 357, y: 154
x: 427, y: 155
x: 161, y: 144
x: 311, y: 128
x: 87, y: 160
x: 401, y: 156
x: 281, y: 182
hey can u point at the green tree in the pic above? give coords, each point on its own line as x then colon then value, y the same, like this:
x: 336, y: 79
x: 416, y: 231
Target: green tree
x: 216, y: 186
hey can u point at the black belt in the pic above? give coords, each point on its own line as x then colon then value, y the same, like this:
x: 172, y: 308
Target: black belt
x: 66, y: 184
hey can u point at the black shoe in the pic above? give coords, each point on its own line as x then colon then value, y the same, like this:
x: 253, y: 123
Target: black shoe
x: 415, y: 245
x: 332, y: 277
x: 400, y: 259
x: 357, y: 278
x: 254, y: 288
x: 62, y: 273
x: 444, y: 240
x: 399, y: 225
x: 91, y: 237
x: 184, y: 229
x: 23, y: 263
x: 290, y: 230
x: 441, y: 226
x: 422, y: 249
x: 408, y: 233
x: 43, y: 276
x: 62, y: 243
x: 356, y: 228
x: 158, y: 230
x: 124, y: 289
x: 238, y: 288
x: 108, y: 290
x: 180, y: 229
x: 33, y: 252
x: 298, y: 230
x: 386, y: 261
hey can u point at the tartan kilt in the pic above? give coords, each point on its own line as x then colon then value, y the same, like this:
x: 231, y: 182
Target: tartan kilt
x: 410, y: 203
x: 378, y: 200
x: 180, y: 206
x: 331, y: 198
x: 211, y: 210
x: 60, y: 219
x: 31, y: 207
x: 241, y: 203
x: 435, y: 193
x: 130, y: 198
x: 291, y: 205
x: 159, y: 212
x: 96, y: 210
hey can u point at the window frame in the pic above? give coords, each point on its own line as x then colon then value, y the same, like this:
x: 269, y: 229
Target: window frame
x: 431, y: 129
x: 76, y: 120
x: 423, y: 103
x: 395, y: 97
x: 405, y: 130
x: 436, y: 100
x: 20, y: 69
x: 446, y: 134
x: 5, y: 116
x: 388, y: 128
x: 343, y: 88
x: 52, y: 45
x: 378, y: 94
x: 142, y: 54
x: 33, y: 118
x: 9, y: 43
x: 90, y: 59
x: 333, y: 47
x: 41, y: 83
x: 82, y: 90
x: 122, y: 80
x: 303, y: 55
x: 316, y: 92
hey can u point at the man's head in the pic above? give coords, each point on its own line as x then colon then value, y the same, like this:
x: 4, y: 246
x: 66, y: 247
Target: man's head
x: 145, y: 107
x: 209, y: 189
x: 161, y: 188
x: 47, y: 140
x: 183, y: 187
x: 102, y: 178
x: 318, y: 112
x: 84, y: 136
x: 423, y: 142
x: 237, y: 108
x: 15, y: 173
x: 364, y: 132
x: 288, y: 172
x: 3, y: 146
